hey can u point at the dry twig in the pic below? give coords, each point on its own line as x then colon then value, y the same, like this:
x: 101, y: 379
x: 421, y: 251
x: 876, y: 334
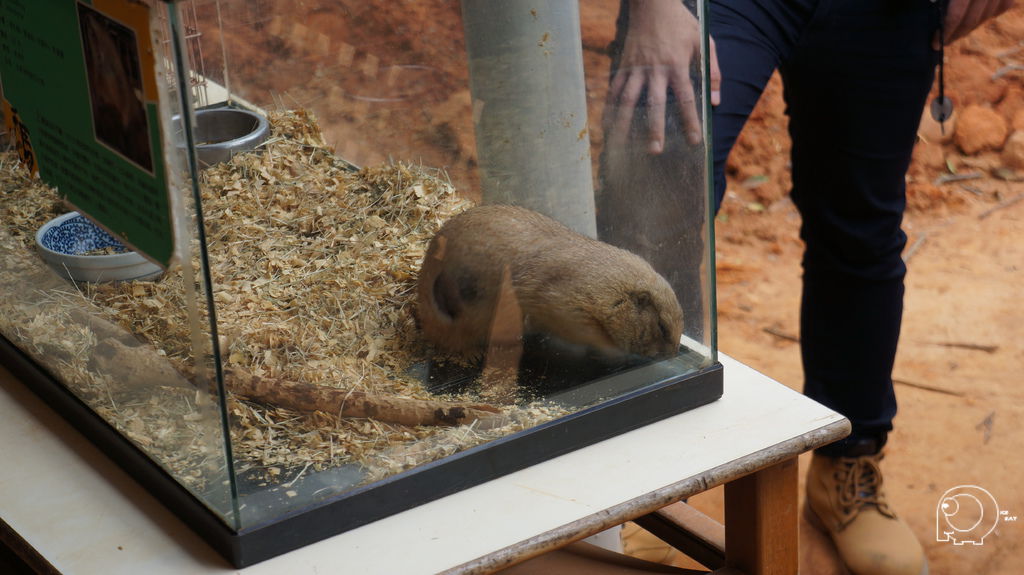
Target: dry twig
x: 947, y: 178
x: 309, y: 397
x: 1007, y: 69
x: 781, y: 334
x: 1001, y: 206
x: 971, y: 346
x: 914, y: 247
x: 927, y: 387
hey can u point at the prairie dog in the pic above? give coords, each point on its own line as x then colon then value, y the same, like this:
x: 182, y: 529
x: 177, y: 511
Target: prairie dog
x: 565, y: 284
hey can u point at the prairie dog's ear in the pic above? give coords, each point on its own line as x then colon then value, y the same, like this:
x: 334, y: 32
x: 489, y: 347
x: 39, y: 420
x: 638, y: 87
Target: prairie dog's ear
x: 446, y: 296
x: 642, y: 299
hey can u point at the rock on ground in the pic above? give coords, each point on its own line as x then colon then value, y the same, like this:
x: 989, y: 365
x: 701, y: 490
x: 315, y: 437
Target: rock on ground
x: 980, y: 128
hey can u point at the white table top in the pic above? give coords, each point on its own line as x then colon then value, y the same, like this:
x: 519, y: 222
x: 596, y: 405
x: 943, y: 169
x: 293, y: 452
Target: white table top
x: 85, y: 515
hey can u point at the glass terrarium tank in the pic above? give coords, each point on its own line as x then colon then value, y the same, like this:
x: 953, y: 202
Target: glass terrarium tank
x: 382, y: 251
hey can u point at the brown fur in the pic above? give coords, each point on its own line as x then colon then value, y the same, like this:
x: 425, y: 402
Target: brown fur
x: 565, y: 284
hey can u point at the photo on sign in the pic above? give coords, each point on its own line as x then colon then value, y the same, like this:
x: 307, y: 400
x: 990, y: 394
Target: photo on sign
x: 114, y: 73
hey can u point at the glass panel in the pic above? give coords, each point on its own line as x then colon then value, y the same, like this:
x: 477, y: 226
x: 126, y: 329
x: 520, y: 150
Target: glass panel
x: 656, y: 204
x: 129, y: 339
x: 387, y: 120
x: 416, y: 231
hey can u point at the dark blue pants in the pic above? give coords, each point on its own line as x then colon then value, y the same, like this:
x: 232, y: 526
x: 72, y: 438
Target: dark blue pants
x: 856, y: 75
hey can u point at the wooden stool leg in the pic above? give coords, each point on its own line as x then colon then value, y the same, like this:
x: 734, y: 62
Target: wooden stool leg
x: 761, y: 522
x: 698, y: 536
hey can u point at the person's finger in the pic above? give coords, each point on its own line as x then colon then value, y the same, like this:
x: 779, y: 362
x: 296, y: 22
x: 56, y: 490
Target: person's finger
x: 716, y: 75
x: 687, y: 108
x: 955, y: 12
x: 994, y: 8
x: 625, y: 104
x: 973, y: 17
x: 615, y: 87
x: 657, y: 87
x: 1000, y: 6
x: 963, y: 16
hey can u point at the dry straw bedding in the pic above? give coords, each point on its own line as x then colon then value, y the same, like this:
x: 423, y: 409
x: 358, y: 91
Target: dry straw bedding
x: 313, y: 267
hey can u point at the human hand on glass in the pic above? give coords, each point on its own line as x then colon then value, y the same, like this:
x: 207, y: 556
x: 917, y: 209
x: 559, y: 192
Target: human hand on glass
x: 663, y: 42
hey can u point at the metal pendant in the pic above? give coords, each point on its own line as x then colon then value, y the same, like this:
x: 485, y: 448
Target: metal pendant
x: 941, y: 108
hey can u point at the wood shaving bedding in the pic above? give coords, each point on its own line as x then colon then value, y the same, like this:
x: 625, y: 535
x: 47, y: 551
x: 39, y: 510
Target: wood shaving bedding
x: 313, y: 267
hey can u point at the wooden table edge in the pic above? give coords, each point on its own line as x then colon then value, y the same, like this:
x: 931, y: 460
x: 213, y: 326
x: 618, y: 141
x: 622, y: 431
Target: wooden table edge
x: 650, y: 502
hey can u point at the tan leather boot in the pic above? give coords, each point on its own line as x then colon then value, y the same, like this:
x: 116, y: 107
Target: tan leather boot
x: 845, y: 499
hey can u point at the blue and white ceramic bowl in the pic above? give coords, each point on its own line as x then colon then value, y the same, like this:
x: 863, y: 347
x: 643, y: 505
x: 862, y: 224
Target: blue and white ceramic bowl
x: 66, y: 241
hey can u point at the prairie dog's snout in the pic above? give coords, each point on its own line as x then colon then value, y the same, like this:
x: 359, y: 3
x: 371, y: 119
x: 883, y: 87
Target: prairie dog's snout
x: 563, y: 284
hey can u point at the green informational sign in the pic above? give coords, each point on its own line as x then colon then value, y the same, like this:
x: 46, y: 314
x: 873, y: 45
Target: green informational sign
x: 80, y: 91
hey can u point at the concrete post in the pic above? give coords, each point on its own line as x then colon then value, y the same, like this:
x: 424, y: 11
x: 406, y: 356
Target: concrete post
x: 530, y: 107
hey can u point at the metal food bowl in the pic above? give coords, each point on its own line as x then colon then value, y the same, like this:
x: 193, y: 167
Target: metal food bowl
x: 68, y: 244
x: 223, y: 132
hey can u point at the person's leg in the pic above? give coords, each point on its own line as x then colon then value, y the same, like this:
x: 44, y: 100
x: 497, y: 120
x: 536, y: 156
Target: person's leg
x: 752, y: 39
x: 855, y: 88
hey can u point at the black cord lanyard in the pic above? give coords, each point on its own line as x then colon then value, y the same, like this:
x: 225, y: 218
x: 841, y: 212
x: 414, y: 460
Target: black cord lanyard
x: 942, y: 107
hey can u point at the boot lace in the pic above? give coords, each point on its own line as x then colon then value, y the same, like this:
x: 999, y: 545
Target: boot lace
x: 859, y: 481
